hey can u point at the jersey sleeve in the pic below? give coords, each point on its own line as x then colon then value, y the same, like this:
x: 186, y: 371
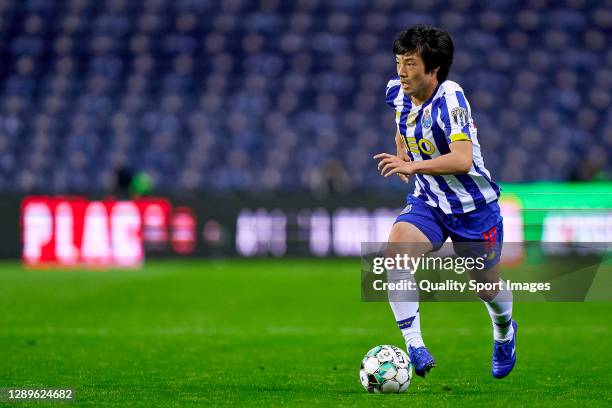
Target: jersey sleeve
x: 456, y: 115
x: 393, y: 88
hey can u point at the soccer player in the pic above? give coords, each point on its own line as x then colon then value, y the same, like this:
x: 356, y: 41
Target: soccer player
x: 454, y: 195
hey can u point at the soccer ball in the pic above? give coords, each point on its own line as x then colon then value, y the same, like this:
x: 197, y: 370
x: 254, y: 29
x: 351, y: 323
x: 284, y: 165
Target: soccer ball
x: 385, y: 369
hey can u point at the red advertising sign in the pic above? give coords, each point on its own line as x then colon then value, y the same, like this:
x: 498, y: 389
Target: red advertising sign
x: 73, y: 231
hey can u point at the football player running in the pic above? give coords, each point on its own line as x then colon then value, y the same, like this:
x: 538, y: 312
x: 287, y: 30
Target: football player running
x: 454, y: 194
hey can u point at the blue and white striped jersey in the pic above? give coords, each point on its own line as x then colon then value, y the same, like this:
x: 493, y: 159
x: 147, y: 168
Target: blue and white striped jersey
x: 427, y: 131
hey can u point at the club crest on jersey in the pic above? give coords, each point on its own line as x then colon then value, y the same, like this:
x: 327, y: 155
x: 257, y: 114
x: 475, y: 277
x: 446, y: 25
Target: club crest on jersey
x: 459, y: 116
x: 426, y: 121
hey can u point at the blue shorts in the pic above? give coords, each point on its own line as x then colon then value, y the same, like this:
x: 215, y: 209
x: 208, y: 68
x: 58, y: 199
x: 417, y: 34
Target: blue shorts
x: 474, y: 233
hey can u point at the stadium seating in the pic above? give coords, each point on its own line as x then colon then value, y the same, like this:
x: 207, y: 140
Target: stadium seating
x: 257, y: 95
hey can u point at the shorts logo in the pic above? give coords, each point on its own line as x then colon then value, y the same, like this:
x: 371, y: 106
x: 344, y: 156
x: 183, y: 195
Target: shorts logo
x: 407, y: 209
x: 426, y: 121
x: 490, y: 243
x: 459, y: 116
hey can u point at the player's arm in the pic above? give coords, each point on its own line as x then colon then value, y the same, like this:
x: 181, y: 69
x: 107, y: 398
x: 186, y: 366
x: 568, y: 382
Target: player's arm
x: 456, y: 127
x: 401, y: 153
x: 457, y: 161
x: 400, y: 147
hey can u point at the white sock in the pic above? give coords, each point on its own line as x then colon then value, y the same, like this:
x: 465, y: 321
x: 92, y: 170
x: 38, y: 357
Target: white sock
x: 405, y: 306
x: 500, y: 310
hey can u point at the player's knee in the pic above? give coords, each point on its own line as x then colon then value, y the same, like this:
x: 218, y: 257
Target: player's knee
x: 407, y: 232
x: 487, y: 295
x: 394, y: 249
x: 407, y: 239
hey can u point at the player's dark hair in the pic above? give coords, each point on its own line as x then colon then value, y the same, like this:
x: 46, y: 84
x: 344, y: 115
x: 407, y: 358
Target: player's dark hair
x: 432, y: 44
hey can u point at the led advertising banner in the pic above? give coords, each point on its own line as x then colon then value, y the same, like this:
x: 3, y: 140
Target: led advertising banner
x: 74, y: 231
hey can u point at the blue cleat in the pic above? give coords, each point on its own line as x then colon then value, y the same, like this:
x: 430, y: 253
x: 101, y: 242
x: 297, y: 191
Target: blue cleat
x: 421, y: 359
x: 504, y: 355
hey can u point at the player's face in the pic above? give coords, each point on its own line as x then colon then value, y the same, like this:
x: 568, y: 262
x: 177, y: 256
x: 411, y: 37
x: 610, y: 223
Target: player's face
x: 411, y: 70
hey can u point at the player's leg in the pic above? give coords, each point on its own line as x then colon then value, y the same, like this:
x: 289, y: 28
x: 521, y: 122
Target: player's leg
x: 406, y: 238
x: 416, y: 232
x: 488, y: 239
x: 499, y: 305
x: 498, y: 301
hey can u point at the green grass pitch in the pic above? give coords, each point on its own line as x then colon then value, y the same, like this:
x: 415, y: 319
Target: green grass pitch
x: 275, y: 332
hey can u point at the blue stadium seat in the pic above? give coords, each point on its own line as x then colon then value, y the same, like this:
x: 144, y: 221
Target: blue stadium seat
x: 238, y: 95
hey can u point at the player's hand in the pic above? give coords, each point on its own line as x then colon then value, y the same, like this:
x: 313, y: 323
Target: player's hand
x: 401, y: 153
x: 403, y: 177
x: 390, y: 165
